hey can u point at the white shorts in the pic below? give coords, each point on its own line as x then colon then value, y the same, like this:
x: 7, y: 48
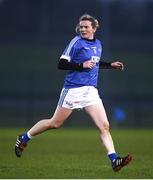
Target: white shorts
x: 78, y: 98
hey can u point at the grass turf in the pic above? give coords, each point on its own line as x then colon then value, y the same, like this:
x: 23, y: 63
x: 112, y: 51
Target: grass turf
x: 75, y: 154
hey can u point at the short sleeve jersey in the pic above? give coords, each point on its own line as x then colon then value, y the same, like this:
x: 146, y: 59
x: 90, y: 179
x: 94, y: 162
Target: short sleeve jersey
x: 80, y: 50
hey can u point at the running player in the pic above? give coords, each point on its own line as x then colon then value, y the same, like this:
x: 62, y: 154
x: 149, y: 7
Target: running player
x: 82, y: 60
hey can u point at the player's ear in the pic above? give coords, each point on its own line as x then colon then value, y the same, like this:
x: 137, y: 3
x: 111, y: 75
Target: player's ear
x: 94, y: 30
x: 77, y: 29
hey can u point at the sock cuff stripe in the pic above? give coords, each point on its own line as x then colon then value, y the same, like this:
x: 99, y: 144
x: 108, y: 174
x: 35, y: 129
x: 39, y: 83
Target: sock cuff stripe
x: 29, y: 135
x: 111, y: 152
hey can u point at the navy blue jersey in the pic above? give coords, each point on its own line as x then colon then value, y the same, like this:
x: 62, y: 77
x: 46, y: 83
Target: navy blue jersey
x: 80, y: 50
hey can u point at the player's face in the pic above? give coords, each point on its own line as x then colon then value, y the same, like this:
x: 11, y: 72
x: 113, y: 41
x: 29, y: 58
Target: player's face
x: 86, y: 29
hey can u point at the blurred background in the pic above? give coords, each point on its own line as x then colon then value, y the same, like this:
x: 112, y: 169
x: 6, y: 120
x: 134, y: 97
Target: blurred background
x: 34, y: 33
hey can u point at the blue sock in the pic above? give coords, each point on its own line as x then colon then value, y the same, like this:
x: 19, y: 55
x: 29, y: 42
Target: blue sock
x: 25, y: 137
x: 112, y: 156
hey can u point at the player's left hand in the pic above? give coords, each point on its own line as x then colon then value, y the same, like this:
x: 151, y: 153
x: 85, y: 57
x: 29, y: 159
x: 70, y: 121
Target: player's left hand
x: 117, y: 65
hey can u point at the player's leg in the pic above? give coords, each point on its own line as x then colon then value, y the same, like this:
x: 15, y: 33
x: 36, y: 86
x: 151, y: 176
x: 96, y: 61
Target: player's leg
x: 98, y: 114
x: 60, y: 115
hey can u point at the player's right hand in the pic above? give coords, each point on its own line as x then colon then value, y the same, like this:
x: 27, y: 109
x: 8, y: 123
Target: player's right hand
x: 89, y: 64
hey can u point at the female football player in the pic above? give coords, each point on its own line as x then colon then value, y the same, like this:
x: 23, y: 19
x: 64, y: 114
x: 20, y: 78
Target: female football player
x: 82, y: 59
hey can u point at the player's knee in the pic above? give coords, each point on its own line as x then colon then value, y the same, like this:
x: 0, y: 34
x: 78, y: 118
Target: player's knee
x: 105, y: 127
x: 55, y: 125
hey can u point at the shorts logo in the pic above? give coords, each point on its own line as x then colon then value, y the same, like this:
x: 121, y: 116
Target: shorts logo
x: 69, y: 104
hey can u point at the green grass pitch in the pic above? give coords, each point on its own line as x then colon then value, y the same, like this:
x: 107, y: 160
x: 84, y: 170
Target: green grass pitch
x: 76, y: 154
